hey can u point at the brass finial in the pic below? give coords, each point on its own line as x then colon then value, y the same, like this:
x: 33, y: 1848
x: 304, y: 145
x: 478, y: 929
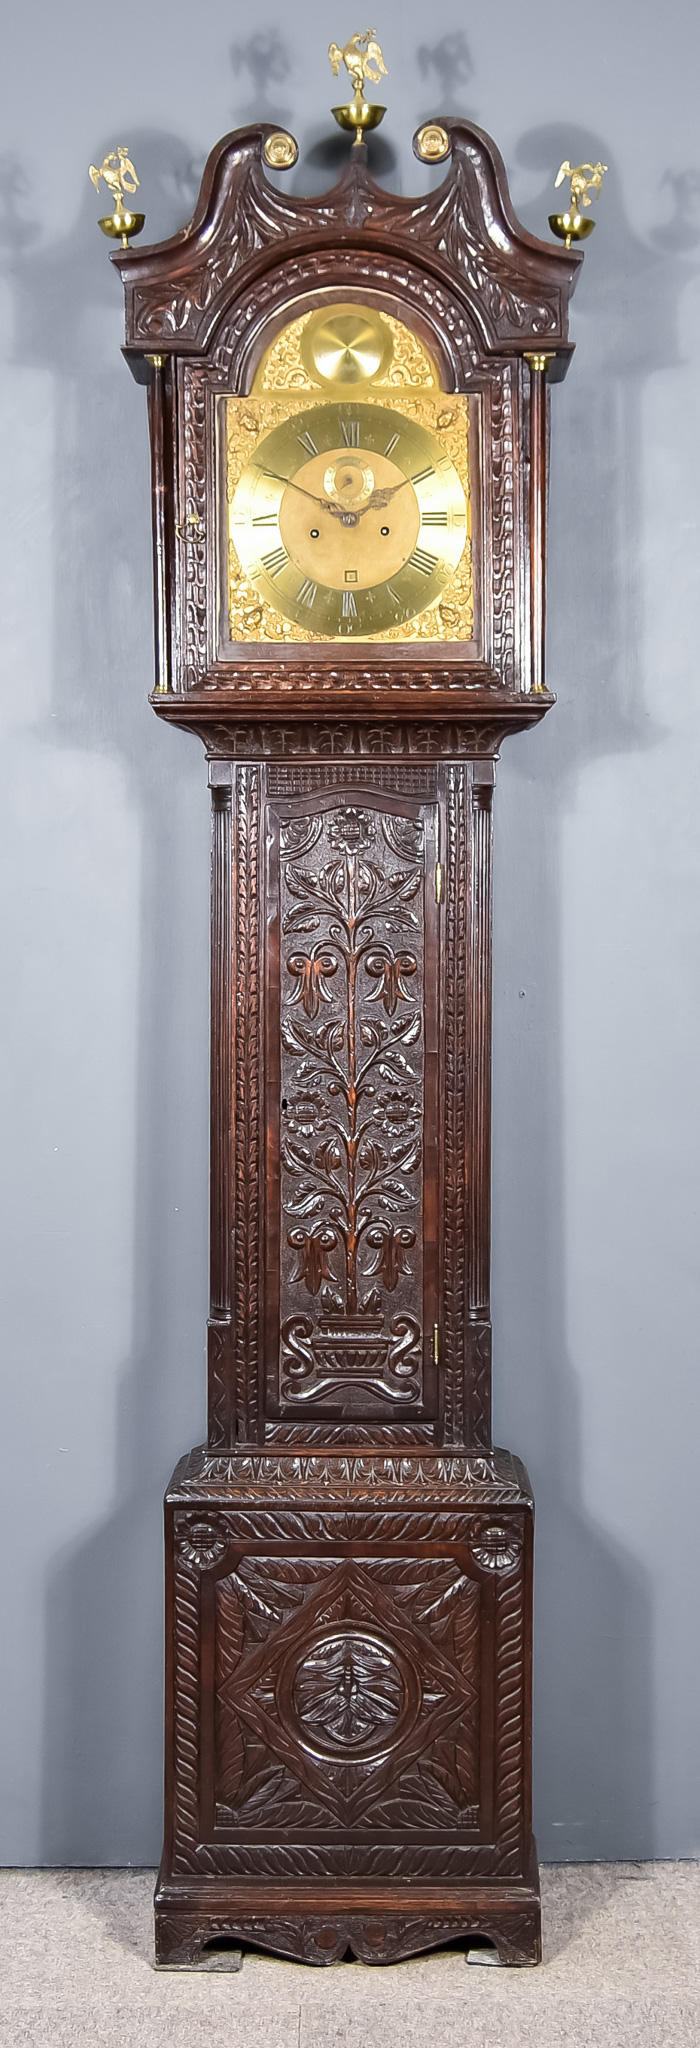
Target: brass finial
x: 359, y: 56
x: 572, y: 226
x: 121, y: 181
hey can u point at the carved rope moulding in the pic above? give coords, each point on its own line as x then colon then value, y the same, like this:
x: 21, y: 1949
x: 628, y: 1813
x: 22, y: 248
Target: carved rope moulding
x: 199, y: 656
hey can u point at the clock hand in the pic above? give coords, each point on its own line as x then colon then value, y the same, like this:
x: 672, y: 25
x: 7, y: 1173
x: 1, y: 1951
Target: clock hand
x: 381, y: 497
x: 336, y: 511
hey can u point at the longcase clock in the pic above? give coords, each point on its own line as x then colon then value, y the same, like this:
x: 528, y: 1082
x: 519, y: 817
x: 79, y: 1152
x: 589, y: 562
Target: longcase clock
x: 348, y: 417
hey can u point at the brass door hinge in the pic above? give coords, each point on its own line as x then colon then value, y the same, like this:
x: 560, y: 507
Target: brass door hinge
x: 436, y: 1344
x: 438, y: 882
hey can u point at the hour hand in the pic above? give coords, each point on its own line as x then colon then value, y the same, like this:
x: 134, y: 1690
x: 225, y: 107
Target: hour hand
x: 381, y: 497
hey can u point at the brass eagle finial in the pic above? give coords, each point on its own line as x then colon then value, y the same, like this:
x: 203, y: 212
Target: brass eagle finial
x: 362, y: 57
x: 580, y: 185
x: 572, y: 226
x: 119, y: 176
x: 359, y: 55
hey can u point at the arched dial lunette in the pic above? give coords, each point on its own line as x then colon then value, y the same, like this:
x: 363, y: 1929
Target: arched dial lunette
x: 349, y: 518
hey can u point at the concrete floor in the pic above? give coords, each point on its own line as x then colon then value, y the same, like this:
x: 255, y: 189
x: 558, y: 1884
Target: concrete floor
x: 622, y: 1967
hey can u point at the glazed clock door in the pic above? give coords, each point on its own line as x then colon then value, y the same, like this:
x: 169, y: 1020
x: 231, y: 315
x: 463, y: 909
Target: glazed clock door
x: 348, y: 508
x: 351, y: 1075
x: 349, y: 519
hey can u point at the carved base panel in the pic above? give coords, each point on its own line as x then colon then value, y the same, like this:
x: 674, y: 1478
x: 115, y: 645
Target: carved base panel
x: 349, y: 1658
x: 312, y: 1925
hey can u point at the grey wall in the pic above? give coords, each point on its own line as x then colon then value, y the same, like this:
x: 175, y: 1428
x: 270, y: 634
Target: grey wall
x: 104, y: 828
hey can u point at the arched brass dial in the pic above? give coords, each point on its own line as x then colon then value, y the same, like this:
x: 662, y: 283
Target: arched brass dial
x: 349, y: 519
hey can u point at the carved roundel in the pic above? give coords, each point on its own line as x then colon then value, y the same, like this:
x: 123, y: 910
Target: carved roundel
x: 202, y: 1545
x: 494, y: 1547
x: 352, y: 1694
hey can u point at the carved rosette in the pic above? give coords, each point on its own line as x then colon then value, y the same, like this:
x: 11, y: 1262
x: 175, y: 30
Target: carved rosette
x: 201, y: 1545
x: 495, y: 1548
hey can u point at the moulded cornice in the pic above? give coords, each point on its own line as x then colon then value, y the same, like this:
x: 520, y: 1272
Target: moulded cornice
x: 465, y: 232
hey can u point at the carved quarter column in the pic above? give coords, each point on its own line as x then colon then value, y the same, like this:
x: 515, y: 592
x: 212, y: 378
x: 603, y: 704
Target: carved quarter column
x: 455, y: 1162
x: 245, y: 1087
x: 159, y: 515
x: 538, y: 513
x: 479, y: 1280
x: 235, y: 1106
x: 220, y: 1326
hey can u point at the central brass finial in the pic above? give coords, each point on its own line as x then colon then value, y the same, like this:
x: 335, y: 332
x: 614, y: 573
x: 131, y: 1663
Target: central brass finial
x: 363, y: 59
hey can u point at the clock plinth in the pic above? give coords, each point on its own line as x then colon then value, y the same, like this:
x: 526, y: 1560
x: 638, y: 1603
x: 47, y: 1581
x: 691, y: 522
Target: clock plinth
x: 383, y: 1816
x: 348, y: 430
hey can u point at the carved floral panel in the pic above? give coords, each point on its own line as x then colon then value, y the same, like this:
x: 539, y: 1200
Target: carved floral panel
x: 350, y: 900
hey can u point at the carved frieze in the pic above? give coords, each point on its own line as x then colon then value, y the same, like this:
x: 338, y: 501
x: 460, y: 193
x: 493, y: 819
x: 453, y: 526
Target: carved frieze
x: 236, y: 739
x: 382, y: 1935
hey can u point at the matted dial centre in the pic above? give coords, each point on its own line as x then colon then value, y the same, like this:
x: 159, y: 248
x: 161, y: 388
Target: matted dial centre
x: 358, y: 554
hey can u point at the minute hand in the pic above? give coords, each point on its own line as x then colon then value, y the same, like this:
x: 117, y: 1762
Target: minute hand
x: 349, y: 518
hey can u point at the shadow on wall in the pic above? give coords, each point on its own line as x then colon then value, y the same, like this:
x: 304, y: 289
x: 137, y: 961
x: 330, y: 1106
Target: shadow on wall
x: 448, y: 66
x: 594, y: 1738
x: 264, y: 62
x: 103, y: 1661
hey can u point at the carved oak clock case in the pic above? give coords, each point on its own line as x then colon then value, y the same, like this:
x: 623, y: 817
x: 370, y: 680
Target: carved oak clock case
x: 349, y: 433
